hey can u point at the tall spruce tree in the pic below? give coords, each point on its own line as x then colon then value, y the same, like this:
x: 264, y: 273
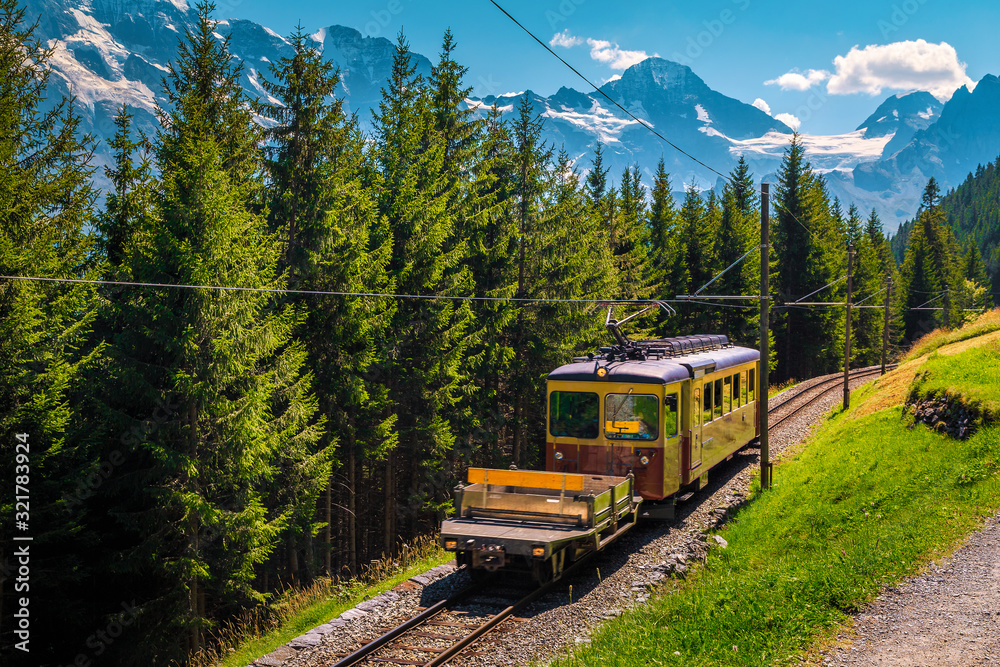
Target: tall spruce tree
x: 807, y: 243
x: 322, y: 203
x: 739, y: 233
x: 868, y: 290
x: 201, y: 499
x: 473, y: 166
x: 427, y: 339
x: 663, y: 250
x: 531, y: 161
x: 630, y: 248
x: 695, y: 260
x: 936, y: 258
x: 492, y: 239
x: 46, y: 205
x: 130, y: 198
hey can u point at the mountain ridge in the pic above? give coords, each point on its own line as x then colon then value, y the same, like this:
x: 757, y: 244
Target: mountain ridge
x: 109, y: 52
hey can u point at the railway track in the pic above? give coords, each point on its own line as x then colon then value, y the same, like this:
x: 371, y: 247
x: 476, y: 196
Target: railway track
x: 811, y: 393
x: 442, y: 631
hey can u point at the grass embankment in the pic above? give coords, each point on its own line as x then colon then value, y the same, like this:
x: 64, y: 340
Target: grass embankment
x: 298, y: 611
x: 868, y: 502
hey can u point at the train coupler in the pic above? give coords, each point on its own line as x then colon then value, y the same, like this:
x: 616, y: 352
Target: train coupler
x: 490, y: 557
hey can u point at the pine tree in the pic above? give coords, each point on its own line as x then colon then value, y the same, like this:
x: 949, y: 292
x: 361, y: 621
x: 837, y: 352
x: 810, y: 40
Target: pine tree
x: 131, y: 196
x: 426, y: 339
x: 739, y: 234
x: 200, y: 503
x: 334, y: 241
x: 46, y: 206
x: 696, y: 260
x: 807, y: 246
x: 921, y: 286
x: 459, y: 129
x: 973, y: 295
x: 597, y: 178
x: 630, y: 241
x: 493, y: 239
x: 943, y: 249
x: 868, y: 290
x: 663, y: 249
x: 531, y: 161
x: 478, y: 203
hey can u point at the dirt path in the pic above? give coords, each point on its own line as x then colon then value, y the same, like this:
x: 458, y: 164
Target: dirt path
x: 949, y: 615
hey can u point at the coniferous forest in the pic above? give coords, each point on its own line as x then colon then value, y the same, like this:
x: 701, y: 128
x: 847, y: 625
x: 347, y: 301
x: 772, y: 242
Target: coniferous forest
x: 194, y: 450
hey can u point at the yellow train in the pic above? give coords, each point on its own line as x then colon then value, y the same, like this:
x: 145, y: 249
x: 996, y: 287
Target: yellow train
x: 667, y: 413
x: 631, y: 425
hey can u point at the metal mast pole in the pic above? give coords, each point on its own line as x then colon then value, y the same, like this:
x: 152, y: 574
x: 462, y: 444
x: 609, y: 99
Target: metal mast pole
x: 847, y: 336
x: 765, y: 350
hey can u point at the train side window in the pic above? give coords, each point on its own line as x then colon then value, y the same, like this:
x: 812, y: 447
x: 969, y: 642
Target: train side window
x: 631, y: 417
x: 752, y: 385
x: 743, y: 388
x: 707, y: 407
x: 727, y: 394
x: 670, y: 415
x: 718, y: 398
x: 573, y: 414
x: 736, y: 391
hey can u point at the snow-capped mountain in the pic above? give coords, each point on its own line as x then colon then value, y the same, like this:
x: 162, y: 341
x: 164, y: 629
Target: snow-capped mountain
x: 667, y: 96
x: 113, y: 52
x: 109, y: 52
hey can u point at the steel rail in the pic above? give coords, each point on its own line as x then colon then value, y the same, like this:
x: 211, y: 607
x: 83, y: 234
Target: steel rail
x: 805, y: 388
x: 821, y: 390
x: 365, y: 651
x: 501, y: 616
x: 406, y: 626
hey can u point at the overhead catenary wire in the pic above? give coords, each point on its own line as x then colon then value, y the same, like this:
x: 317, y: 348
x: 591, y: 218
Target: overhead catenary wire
x: 940, y: 294
x: 273, y: 290
x: 723, y: 272
x: 608, y: 97
x: 838, y: 280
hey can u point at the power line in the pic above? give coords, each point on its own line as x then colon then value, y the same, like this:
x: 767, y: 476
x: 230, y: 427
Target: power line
x: 268, y: 290
x: 777, y: 204
x: 605, y: 95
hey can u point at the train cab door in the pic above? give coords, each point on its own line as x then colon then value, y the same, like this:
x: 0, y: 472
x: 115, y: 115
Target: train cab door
x: 696, y: 427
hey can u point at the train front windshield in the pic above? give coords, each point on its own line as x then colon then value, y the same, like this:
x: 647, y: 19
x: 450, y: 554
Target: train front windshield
x: 573, y: 414
x: 631, y: 417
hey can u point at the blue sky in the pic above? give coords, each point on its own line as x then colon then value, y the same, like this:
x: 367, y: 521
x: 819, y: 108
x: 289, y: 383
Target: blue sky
x: 829, y: 64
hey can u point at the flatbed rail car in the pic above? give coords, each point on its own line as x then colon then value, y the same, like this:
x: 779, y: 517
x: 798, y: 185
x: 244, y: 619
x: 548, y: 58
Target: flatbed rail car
x: 537, y: 521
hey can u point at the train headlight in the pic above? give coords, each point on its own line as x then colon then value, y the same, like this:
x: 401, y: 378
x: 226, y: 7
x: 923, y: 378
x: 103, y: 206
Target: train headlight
x: 538, y: 552
x: 559, y: 456
x: 644, y: 460
x: 602, y: 371
x: 451, y: 545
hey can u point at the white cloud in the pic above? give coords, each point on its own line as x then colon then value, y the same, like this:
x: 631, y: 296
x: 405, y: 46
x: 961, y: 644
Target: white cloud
x: 565, y: 40
x: 617, y: 58
x: 762, y: 105
x: 789, y: 120
x: 901, y: 66
x: 613, y: 77
x: 797, y: 81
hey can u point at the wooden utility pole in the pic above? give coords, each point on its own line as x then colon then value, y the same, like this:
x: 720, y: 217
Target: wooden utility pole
x: 765, y: 350
x: 847, y: 336
x: 885, y: 319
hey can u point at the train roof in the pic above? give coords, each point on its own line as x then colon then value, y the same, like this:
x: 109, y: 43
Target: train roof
x: 656, y: 371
